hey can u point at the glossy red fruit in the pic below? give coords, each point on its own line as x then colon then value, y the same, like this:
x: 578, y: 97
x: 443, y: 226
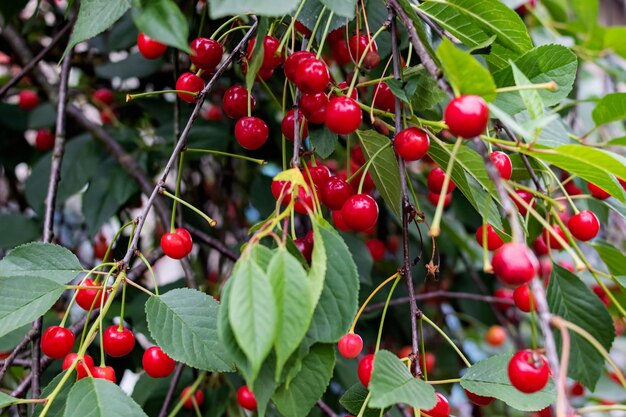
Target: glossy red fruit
x: 479, y: 400
x: 584, y: 225
x: 103, y: 96
x: 357, y: 47
x: 528, y: 199
x: 336, y: 192
x: 311, y: 76
x: 189, y: 82
x: 376, y: 248
x: 287, y: 125
x: 524, y: 299
x: 339, y: 52
x: 366, y: 366
x: 383, y: 98
x: 44, y: 140
x: 118, y: 343
x: 90, y: 298
x: 206, y: 53
x: 235, y: 102
x: 502, y: 163
x: 598, y: 192
x: 150, y: 48
x: 82, y: 366
x: 338, y: 221
x: 494, y: 241
x: 103, y: 372
x: 540, y: 247
x: 57, y: 341
x: 356, y: 155
x: 434, y: 199
x: 435, y: 181
x: 320, y: 174
x: 360, y: 212
x: 441, y: 408
x: 28, y: 100
x: 345, y: 87
x: 411, y: 144
x: 304, y: 200
x: 313, y: 106
x: 305, y: 246
x: 528, y: 371
x: 301, y: 28
x: 505, y: 294
x: 291, y: 64
x: 178, y: 244
x: 467, y: 116
x: 495, y: 336
x: 550, y: 240
x: 157, y: 363
x: 515, y: 264
x: 350, y: 345
x: 343, y: 115
x: 246, y: 398
x: 198, y: 396
x: 271, y: 57
x: 251, y: 132
x: 282, y: 190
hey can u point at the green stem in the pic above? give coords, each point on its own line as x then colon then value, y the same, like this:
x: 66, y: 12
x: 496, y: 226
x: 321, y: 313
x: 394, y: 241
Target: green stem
x: 423, y: 350
x: 190, y: 392
x: 434, y: 228
x: 117, y: 235
x: 364, y: 406
x: 179, y: 177
x: 365, y: 51
x: 209, y: 220
x: 232, y: 155
x: 321, y: 45
x: 366, y: 166
x: 445, y: 381
x: 599, y: 408
x: 550, y: 86
x: 229, y: 31
x: 382, y: 317
x: 154, y: 281
x: 317, y: 23
x: 130, y: 97
x: 269, y: 91
x: 122, y: 308
x: 283, y: 142
x: 447, y: 338
x: 203, y: 18
x: 533, y: 326
x: 225, y: 24
x: 285, y: 38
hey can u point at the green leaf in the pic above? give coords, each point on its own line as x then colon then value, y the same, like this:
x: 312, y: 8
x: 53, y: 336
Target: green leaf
x: 183, y: 322
x: 344, y: 8
x: 293, y: 308
x: 540, y: 65
x: 614, y: 39
x: 94, y: 17
x: 353, y: 399
x: 57, y: 409
x: 317, y: 272
x: 464, y: 72
x: 6, y: 399
x: 256, y: 59
x: 613, y: 258
x: 17, y: 229
x: 531, y: 98
x: 222, y: 8
x: 323, y: 141
x: 490, y: 378
x: 392, y: 383
x: 361, y: 255
x: 384, y: 168
x: 587, y: 11
x: 162, y: 20
x: 571, y: 299
x: 310, y: 13
x: 610, y: 108
x: 427, y: 93
x: 45, y: 260
x: 339, y: 301
x: 297, y: 399
x: 252, y: 312
x: 100, y: 398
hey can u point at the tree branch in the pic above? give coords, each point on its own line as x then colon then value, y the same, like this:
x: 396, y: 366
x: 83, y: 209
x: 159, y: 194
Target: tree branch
x: 9, y: 360
x: 172, y: 388
x: 325, y: 408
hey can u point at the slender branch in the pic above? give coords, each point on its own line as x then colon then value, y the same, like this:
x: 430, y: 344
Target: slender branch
x: 561, y: 399
x: 441, y: 294
x: 172, y: 389
x: 325, y: 408
x: 13, y: 355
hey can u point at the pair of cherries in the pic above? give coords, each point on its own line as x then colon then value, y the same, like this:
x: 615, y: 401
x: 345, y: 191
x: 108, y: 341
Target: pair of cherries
x: 86, y: 367
x: 250, y: 132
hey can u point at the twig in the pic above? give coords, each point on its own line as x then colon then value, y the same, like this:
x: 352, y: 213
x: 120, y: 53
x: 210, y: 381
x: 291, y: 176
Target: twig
x: 12, y: 357
x: 172, y: 388
x: 440, y: 294
x: 325, y: 408
x: 561, y: 399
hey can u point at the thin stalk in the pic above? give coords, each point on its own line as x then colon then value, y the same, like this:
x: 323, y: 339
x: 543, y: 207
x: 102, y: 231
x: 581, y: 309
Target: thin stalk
x: 179, y: 177
x: 447, y: 338
x: 321, y: 45
x: 191, y: 391
x: 317, y: 23
x: 369, y: 298
x: 550, y: 86
x: 229, y: 31
x: 131, y: 97
x: 232, y: 155
x: 435, y: 226
x: 209, y: 220
x: 283, y: 41
x: 382, y: 317
x: 225, y: 24
x: 145, y: 261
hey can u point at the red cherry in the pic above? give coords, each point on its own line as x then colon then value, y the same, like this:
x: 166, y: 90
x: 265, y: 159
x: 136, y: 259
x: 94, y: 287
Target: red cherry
x: 304, y: 200
x: 343, y: 115
x: 411, y: 144
x: 157, y: 363
x: 177, y: 244
x: 103, y: 372
x: 434, y: 199
x: 28, y: 100
x: 366, y: 366
x: 118, y: 343
x: 313, y: 106
x: 251, y: 132
x: 235, y: 102
x: 150, y: 48
x: 350, y: 345
x: 336, y: 192
x: 584, y: 225
x: 271, y: 57
x: 246, y: 398
x: 103, y: 96
x: 495, y: 336
x: 311, y: 76
x: 550, y: 240
x: 90, y: 298
x: 504, y: 294
x: 540, y: 247
x: 376, y: 248
x: 441, y: 408
x: 430, y: 359
x: 282, y: 190
x: 189, y: 82
x: 360, y: 212
x: 345, y: 87
x: 340, y: 53
x: 494, y: 241
x: 528, y: 199
x: 524, y: 299
x: 357, y: 45
x: 206, y: 53
x: 478, y: 399
x: 212, y: 114
x: 291, y: 64
x: 56, y: 342
x: 287, y: 125
x: 577, y: 389
x: 305, y: 246
x: 467, y: 116
x: 303, y: 30
x: 320, y: 174
x: 82, y: 366
x: 528, y: 371
x: 515, y: 264
x: 598, y: 192
x: 356, y: 154
x: 44, y: 140
x: 435, y: 181
x: 502, y: 163
x: 545, y: 267
x: 383, y: 98
x: 338, y: 221
x: 106, y: 116
x: 198, y: 396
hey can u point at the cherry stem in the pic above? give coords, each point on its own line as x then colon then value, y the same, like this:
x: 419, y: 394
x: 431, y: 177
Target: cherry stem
x: 224, y: 25
x: 364, y: 406
x: 445, y: 381
x: 232, y: 155
x: 533, y: 322
x: 447, y: 338
x: 270, y: 92
x: 209, y: 220
x: 229, y: 31
x: 321, y: 45
x: 369, y: 298
x: 122, y: 308
x: 561, y: 186
x: 117, y: 235
x: 130, y: 97
x: 599, y: 408
x: 139, y: 287
x: 366, y: 166
x: 145, y: 261
x: 561, y: 399
x: 202, y: 18
x: 179, y: 176
x: 537, y: 194
x: 190, y: 392
x: 423, y: 350
x: 289, y: 30
x: 318, y: 206
x: 382, y: 317
x: 434, y: 228
x: 355, y: 75
x: 317, y: 23
x: 550, y: 86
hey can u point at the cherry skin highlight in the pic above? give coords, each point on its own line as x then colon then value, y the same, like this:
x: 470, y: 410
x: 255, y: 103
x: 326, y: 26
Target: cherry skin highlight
x: 360, y: 212
x: 441, y: 408
x: 82, y: 366
x: 90, y: 298
x: 206, y: 53
x: 189, y: 82
x: 118, y: 343
x: 150, y: 48
x: 105, y: 372
x: 494, y: 241
x: 502, y: 163
x: 435, y: 181
x: 287, y: 126
x: 343, y: 115
x: 246, y: 398
x: 366, y: 366
x: 251, y: 132
x: 336, y: 192
x: 178, y: 244
x: 235, y: 102
x: 524, y: 299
